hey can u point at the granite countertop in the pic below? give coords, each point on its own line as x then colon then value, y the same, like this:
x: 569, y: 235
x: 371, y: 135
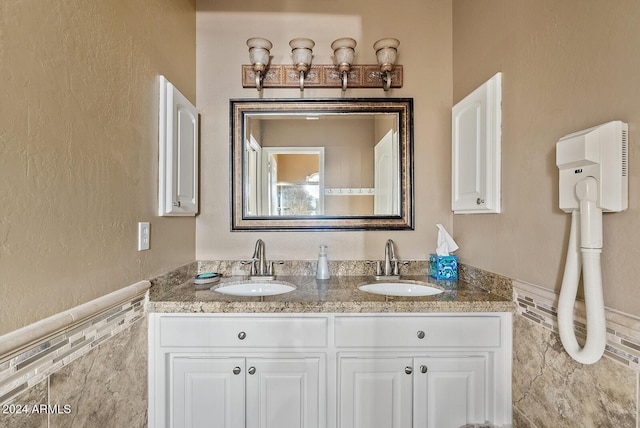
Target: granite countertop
x: 340, y: 294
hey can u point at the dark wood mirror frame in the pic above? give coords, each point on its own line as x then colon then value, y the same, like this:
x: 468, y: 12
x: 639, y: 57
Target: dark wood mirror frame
x: 241, y: 108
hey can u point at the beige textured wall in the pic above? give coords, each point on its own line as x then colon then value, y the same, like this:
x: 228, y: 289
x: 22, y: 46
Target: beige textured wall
x: 567, y: 66
x: 78, y: 148
x: 424, y: 31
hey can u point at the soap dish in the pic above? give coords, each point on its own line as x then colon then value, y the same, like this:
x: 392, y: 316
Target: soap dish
x: 204, y: 280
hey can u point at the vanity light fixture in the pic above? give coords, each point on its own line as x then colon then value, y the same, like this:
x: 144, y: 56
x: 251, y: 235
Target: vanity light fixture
x: 262, y: 74
x: 343, y: 53
x: 386, y: 51
x: 302, y: 53
x: 259, y: 50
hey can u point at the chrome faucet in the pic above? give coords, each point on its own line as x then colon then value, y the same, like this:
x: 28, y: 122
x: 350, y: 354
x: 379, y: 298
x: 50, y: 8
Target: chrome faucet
x: 260, y: 267
x: 391, y: 263
x: 390, y: 259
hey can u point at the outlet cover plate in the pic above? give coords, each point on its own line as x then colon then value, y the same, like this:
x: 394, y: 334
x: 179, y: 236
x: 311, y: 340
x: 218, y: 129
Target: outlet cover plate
x: 144, y: 235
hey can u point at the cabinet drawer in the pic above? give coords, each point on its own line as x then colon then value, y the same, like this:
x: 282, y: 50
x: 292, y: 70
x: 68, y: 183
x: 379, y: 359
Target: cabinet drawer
x: 243, y: 332
x: 433, y: 331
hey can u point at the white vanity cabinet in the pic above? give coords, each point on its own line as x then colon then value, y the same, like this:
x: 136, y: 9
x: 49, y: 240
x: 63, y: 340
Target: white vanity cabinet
x: 205, y: 391
x: 227, y: 392
x: 451, y: 391
x: 375, y: 392
x: 330, y: 370
x: 435, y: 371
x: 237, y: 371
x: 405, y: 392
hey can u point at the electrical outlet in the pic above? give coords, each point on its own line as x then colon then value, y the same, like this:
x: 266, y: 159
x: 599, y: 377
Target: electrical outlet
x: 144, y: 235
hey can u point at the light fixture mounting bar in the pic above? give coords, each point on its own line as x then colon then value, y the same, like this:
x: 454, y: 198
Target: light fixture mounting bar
x: 320, y: 76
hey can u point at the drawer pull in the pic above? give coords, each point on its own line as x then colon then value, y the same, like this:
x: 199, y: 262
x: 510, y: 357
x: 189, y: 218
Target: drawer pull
x: 424, y: 369
x: 408, y: 370
x: 242, y: 335
x: 236, y: 370
x: 421, y: 334
x: 252, y: 370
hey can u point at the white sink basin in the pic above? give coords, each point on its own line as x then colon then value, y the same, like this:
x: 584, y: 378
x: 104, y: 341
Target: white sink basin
x: 254, y: 288
x: 400, y: 289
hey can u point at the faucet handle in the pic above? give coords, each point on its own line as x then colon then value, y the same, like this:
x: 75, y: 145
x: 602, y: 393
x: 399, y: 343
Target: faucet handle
x: 377, y: 264
x: 270, y: 266
x: 252, y: 262
x: 396, y: 265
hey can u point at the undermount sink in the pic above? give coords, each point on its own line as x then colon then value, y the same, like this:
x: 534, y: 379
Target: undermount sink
x: 254, y: 288
x: 400, y: 289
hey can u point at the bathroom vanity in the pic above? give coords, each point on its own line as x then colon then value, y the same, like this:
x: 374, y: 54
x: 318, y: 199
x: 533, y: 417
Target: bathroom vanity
x: 329, y: 355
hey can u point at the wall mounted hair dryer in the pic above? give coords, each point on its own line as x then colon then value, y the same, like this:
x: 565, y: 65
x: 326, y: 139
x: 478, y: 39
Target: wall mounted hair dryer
x: 593, y: 179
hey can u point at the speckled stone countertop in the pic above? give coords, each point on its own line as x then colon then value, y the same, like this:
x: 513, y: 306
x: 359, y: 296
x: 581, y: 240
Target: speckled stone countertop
x: 340, y: 294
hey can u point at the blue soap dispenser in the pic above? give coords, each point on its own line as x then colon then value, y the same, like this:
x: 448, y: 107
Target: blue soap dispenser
x: 323, y: 266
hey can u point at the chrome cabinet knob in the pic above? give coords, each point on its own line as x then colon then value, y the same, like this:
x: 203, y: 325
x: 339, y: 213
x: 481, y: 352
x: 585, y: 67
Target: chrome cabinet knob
x: 424, y: 369
x: 408, y: 370
x: 242, y: 335
x: 479, y: 201
x: 421, y: 334
x: 237, y: 370
x: 252, y: 370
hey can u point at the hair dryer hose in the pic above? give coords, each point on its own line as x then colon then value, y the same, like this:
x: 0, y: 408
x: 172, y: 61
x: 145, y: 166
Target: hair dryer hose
x: 589, y: 261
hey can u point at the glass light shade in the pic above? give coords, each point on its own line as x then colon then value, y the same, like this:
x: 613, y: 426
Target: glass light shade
x: 343, y: 51
x: 301, y: 51
x: 259, y: 50
x: 386, y: 50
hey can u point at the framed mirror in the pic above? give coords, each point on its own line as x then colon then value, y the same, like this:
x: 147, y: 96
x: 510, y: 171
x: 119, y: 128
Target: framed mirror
x: 322, y: 164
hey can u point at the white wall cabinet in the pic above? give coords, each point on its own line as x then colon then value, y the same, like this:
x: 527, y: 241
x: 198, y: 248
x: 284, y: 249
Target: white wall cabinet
x: 329, y: 370
x: 475, y: 156
x: 178, y: 153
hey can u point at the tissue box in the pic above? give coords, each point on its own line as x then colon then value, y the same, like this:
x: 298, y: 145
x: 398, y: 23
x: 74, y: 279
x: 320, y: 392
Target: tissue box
x: 443, y: 267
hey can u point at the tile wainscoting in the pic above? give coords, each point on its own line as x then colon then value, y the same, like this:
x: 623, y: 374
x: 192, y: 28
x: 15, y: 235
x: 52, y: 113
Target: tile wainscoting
x: 105, y: 381
x: 75, y: 378
x: 93, y: 373
x: 552, y: 390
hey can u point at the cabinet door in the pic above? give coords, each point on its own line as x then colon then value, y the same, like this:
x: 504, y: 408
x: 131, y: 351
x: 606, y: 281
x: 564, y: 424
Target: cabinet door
x: 207, y: 392
x: 375, y: 392
x: 475, y: 156
x: 283, y: 392
x: 449, y: 391
x: 178, y: 153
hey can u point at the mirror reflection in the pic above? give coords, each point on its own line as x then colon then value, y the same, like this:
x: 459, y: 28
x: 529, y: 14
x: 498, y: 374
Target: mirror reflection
x: 321, y: 164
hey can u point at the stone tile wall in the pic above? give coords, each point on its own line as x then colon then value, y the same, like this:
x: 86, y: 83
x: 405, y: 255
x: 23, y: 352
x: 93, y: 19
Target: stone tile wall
x: 93, y: 374
x: 552, y: 390
x: 106, y: 386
